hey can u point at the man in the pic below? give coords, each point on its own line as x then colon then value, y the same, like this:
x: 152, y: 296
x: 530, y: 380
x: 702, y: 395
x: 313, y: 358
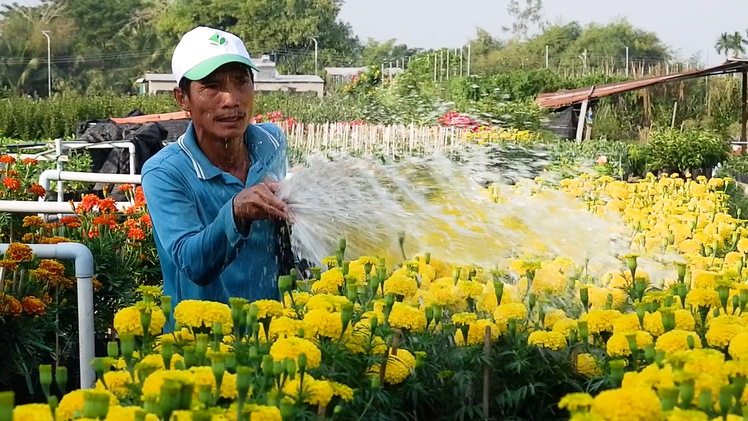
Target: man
x: 210, y: 194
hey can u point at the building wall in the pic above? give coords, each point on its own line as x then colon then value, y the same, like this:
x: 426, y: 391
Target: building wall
x: 298, y: 87
x: 318, y: 88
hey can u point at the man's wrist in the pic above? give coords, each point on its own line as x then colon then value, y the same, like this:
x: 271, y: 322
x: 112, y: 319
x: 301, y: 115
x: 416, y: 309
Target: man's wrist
x: 242, y: 225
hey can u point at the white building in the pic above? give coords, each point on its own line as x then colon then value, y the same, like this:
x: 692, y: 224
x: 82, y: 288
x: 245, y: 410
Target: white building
x: 266, y: 80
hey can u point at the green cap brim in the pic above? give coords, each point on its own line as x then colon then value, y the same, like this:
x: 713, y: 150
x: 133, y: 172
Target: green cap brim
x: 210, y: 65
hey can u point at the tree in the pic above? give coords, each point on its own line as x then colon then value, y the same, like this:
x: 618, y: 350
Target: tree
x: 737, y: 43
x: 374, y: 52
x: 724, y: 44
x: 23, y: 47
x: 524, y: 17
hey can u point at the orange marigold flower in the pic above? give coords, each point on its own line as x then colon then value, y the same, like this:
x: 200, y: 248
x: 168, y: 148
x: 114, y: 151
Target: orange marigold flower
x: 146, y: 220
x: 8, y: 264
x: 70, y: 221
x: 108, y: 219
x: 19, y: 252
x: 123, y: 188
x: 55, y: 240
x: 131, y: 223
x: 11, y: 183
x: 88, y: 202
x: 108, y: 205
x: 38, y: 190
x: 7, y: 159
x: 33, y: 305
x: 29, y: 237
x: 30, y: 162
x: 97, y: 285
x: 136, y: 234
x: 93, y: 232
x: 33, y: 221
x: 139, y: 197
x: 10, y: 306
x: 12, y: 173
x: 53, y: 266
x: 46, y: 299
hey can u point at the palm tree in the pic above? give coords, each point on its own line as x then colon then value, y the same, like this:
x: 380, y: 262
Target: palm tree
x: 737, y: 43
x: 723, y: 44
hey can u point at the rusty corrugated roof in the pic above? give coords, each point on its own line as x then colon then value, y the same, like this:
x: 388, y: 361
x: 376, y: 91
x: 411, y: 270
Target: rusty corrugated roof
x: 561, y: 98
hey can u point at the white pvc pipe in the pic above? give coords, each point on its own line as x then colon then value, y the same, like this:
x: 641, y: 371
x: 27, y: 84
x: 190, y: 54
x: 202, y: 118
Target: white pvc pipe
x: 56, y: 175
x: 25, y: 206
x: 84, y: 272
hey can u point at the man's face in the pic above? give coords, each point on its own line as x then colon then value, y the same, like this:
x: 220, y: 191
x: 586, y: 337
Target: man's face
x: 221, y: 104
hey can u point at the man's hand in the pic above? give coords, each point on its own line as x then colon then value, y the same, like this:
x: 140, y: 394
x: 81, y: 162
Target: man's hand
x: 256, y: 203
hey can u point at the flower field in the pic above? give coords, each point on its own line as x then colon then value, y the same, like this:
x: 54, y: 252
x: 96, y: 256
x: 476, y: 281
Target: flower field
x: 532, y: 338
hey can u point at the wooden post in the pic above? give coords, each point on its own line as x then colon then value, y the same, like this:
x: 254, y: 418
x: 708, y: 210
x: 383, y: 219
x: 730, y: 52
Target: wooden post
x: 582, y: 120
x: 744, y: 120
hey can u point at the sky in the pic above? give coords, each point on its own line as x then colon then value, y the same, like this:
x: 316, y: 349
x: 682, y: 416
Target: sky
x: 688, y: 26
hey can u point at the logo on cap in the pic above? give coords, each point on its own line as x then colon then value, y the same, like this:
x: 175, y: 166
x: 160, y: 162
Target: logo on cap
x: 217, y: 40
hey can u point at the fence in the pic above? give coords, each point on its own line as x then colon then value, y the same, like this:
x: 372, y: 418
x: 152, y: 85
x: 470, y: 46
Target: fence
x: 362, y: 139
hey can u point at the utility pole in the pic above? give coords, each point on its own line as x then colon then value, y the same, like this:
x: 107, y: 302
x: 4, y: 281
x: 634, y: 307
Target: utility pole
x: 627, y: 61
x: 461, y: 62
x: 468, y: 60
x: 546, y: 57
x: 49, y: 63
x: 315, y: 54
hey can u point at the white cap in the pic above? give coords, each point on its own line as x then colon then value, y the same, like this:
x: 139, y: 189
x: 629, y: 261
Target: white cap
x: 202, y: 50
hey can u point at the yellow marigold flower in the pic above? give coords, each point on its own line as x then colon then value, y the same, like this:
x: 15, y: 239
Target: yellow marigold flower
x: 300, y: 298
x: 196, y: 314
x: 464, y: 318
x: 575, y: 401
x: 736, y: 368
x: 477, y: 332
x: 268, y: 308
x: 127, y: 320
x: 651, y: 377
x: 152, y: 384
x: 703, y: 278
x: 599, y: 320
x: 345, y: 392
x: 504, y: 312
x: 325, y: 286
x: 318, y: 392
x: 676, y: 340
x: 587, y: 365
x: 122, y: 413
x: 743, y: 245
x: 678, y: 414
x: 360, y: 341
x: 292, y: 347
x: 117, y: 382
x: 470, y: 289
x: 635, y: 404
x: 700, y: 297
x: 626, y: 323
x: 33, y: 412
x: 653, y: 323
x: 705, y: 361
x: 203, y: 376
x: 565, y: 326
x: 33, y: 221
x: 444, y: 294
x: 720, y: 335
x: 73, y: 401
x: 544, y: 339
x: 401, y: 284
x: 548, y: 280
x: 398, y: 368
x: 404, y: 316
x: 326, y: 302
x: 265, y: 413
x: 283, y: 326
x: 323, y: 323
x: 684, y: 320
x: 738, y: 348
x: 357, y: 270
x: 552, y: 316
x: 724, y: 320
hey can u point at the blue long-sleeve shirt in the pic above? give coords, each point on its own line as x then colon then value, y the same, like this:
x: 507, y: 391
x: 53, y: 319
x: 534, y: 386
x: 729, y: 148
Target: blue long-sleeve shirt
x: 203, y: 255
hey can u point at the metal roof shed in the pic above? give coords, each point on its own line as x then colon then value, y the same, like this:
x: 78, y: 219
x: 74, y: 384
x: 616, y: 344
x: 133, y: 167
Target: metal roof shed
x: 584, y: 95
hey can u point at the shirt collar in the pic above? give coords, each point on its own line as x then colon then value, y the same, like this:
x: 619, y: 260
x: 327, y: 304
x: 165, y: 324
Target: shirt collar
x: 204, y: 169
